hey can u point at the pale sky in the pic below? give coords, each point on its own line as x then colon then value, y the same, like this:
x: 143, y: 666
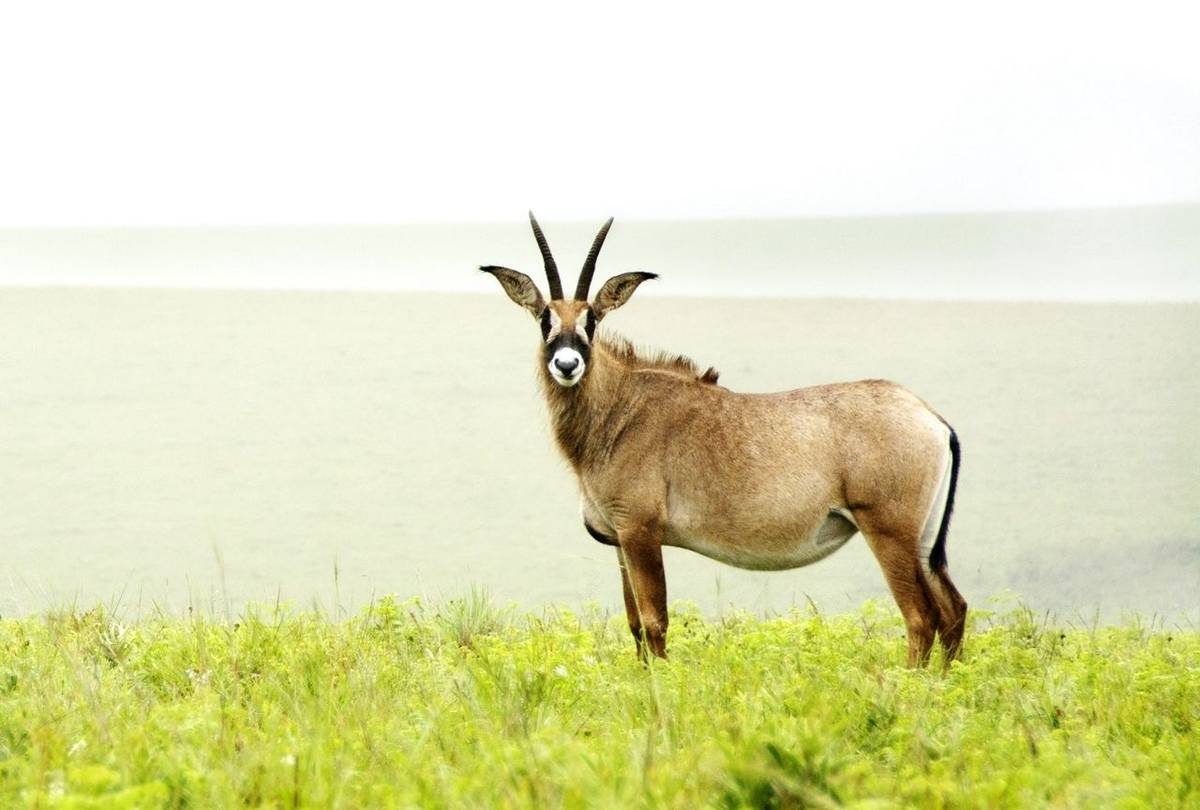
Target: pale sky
x: 261, y: 113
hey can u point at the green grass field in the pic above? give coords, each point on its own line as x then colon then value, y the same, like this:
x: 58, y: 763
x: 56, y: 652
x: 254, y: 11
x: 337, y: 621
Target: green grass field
x: 464, y: 704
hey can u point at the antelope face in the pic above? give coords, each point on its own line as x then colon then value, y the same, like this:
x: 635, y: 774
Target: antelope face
x: 568, y: 324
x: 568, y: 328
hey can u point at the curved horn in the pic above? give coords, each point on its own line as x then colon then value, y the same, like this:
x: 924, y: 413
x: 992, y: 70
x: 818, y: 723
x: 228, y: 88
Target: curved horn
x: 589, y: 266
x: 551, y: 268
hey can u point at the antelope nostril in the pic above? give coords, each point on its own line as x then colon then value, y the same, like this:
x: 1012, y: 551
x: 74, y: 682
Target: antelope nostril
x: 566, y: 364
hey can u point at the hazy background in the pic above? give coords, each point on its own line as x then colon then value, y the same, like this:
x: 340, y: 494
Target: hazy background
x: 1147, y: 253
x: 186, y: 447
x: 242, y: 341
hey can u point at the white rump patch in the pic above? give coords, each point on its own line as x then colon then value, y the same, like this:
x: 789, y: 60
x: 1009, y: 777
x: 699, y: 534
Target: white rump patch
x: 933, y: 519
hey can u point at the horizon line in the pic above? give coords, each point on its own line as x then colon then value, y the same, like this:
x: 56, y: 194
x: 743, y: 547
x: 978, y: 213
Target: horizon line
x: 741, y: 298
x: 879, y: 215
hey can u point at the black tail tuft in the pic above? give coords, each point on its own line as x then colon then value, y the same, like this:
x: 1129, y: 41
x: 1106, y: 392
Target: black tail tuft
x: 937, y: 557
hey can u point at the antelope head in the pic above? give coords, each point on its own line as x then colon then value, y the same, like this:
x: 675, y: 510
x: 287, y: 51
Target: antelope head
x: 568, y: 325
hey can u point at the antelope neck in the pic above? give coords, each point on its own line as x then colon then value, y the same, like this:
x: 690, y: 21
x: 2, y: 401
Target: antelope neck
x: 589, y: 418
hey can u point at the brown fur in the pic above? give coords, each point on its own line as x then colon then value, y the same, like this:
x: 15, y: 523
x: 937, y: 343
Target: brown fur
x: 665, y: 456
x: 639, y: 423
x: 625, y: 352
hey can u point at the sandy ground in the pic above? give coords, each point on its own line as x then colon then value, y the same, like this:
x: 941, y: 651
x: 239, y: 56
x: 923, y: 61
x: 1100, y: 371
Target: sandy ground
x: 173, y: 448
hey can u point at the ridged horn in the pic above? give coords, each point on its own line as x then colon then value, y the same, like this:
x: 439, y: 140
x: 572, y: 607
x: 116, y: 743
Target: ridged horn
x: 589, y: 266
x: 556, y: 293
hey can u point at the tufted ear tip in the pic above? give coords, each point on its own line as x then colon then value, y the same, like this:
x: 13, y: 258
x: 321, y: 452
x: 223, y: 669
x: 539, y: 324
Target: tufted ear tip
x: 616, y: 291
x: 518, y: 287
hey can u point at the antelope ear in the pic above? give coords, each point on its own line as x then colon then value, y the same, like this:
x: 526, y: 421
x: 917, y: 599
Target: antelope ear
x: 520, y: 288
x: 616, y: 291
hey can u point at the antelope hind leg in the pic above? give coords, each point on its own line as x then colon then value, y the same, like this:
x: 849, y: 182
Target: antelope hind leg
x: 897, y: 556
x: 953, y: 613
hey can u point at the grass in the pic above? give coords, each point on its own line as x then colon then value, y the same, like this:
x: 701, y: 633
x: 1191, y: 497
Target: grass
x: 465, y: 704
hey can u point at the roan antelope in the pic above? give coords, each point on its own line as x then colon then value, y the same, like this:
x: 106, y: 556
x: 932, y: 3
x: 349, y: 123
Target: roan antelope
x: 665, y: 456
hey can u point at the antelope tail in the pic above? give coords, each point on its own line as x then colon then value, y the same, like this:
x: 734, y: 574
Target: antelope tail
x: 937, y: 556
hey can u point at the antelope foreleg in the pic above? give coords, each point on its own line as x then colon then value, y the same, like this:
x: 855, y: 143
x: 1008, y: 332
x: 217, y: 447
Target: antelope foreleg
x: 631, y: 610
x: 645, y: 590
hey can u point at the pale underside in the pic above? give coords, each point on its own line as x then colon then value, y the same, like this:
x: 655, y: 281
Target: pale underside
x: 775, y: 553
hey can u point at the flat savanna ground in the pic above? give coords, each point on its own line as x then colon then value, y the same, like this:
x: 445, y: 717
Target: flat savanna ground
x: 462, y: 704
x: 170, y: 445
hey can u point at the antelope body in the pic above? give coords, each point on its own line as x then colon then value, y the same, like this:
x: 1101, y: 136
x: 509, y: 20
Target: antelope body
x: 666, y: 456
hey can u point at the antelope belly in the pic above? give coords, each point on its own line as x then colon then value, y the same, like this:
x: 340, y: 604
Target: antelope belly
x: 775, y: 554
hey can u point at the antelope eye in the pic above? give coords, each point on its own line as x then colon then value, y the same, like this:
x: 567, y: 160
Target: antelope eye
x: 545, y: 320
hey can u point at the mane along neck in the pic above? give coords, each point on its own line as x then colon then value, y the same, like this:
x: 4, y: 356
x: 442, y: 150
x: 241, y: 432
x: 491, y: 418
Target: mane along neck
x: 589, y: 419
x: 624, y: 352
